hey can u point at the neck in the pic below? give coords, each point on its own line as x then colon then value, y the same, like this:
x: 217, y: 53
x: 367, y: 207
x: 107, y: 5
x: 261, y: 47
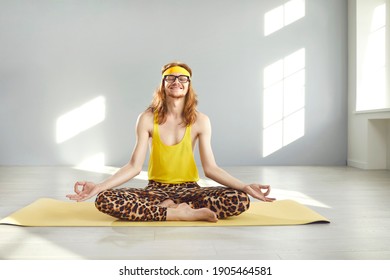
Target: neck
x: 175, y: 107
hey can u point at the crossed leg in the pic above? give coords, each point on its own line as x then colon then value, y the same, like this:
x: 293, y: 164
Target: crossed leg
x: 172, y: 203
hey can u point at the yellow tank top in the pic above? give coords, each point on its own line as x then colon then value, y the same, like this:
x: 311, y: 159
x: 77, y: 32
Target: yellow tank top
x: 172, y: 164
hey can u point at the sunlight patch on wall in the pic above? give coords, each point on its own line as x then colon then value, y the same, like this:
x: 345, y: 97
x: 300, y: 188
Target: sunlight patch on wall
x: 283, y: 102
x: 372, y: 92
x: 80, y: 119
x: 283, y: 15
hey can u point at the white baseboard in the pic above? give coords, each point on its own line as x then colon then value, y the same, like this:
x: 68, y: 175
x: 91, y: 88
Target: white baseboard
x: 357, y: 164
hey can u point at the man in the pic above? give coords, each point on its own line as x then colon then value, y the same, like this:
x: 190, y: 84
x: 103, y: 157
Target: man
x: 172, y: 126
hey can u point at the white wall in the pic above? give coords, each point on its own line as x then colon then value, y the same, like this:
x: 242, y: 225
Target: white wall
x: 371, y: 92
x: 368, y: 127
x: 58, y: 55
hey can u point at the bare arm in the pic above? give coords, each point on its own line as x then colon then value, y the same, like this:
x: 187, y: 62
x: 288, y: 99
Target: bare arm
x: 214, y: 172
x: 125, y: 173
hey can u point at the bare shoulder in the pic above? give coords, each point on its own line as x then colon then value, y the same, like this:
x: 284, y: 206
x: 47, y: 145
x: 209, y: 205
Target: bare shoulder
x: 202, y: 123
x: 146, y: 116
x: 145, y: 120
x: 202, y: 117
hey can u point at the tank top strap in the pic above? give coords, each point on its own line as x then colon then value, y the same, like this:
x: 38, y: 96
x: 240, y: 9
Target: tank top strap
x: 187, y: 134
x: 155, y: 118
x: 155, y: 123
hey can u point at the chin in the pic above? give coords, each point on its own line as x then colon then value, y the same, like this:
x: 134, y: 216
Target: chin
x: 177, y: 95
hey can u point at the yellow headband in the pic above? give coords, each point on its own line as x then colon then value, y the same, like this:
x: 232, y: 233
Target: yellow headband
x: 176, y: 69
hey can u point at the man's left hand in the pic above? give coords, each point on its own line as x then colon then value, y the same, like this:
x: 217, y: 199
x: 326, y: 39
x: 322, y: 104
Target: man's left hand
x: 257, y: 191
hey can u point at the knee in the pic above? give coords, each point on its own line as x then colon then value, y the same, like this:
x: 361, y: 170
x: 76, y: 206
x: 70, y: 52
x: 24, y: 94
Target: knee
x: 237, y: 202
x: 242, y: 201
x: 102, y: 200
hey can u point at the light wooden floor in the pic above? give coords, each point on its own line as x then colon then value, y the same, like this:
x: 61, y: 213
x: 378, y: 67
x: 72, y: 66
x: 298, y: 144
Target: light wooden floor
x: 356, y: 201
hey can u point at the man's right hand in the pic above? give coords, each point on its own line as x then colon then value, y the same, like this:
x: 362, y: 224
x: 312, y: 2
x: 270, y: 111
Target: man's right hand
x: 88, y: 189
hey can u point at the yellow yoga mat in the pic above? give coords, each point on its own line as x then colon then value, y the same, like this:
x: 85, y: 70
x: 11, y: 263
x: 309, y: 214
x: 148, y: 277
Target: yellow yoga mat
x: 47, y: 212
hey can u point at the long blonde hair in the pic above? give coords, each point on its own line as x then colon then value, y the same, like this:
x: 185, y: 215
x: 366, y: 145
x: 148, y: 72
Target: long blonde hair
x: 159, y: 102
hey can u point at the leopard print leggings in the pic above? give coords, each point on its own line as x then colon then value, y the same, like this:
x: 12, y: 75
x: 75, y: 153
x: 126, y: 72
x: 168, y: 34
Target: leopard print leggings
x: 141, y: 204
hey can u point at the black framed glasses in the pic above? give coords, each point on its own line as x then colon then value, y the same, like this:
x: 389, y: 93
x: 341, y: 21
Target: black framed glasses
x: 172, y: 78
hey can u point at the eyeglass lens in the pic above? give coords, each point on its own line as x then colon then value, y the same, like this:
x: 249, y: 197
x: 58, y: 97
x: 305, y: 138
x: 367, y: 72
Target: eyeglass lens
x: 172, y: 78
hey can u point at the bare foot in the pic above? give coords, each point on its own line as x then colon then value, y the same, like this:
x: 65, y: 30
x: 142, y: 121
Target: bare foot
x: 183, y: 212
x: 168, y: 203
